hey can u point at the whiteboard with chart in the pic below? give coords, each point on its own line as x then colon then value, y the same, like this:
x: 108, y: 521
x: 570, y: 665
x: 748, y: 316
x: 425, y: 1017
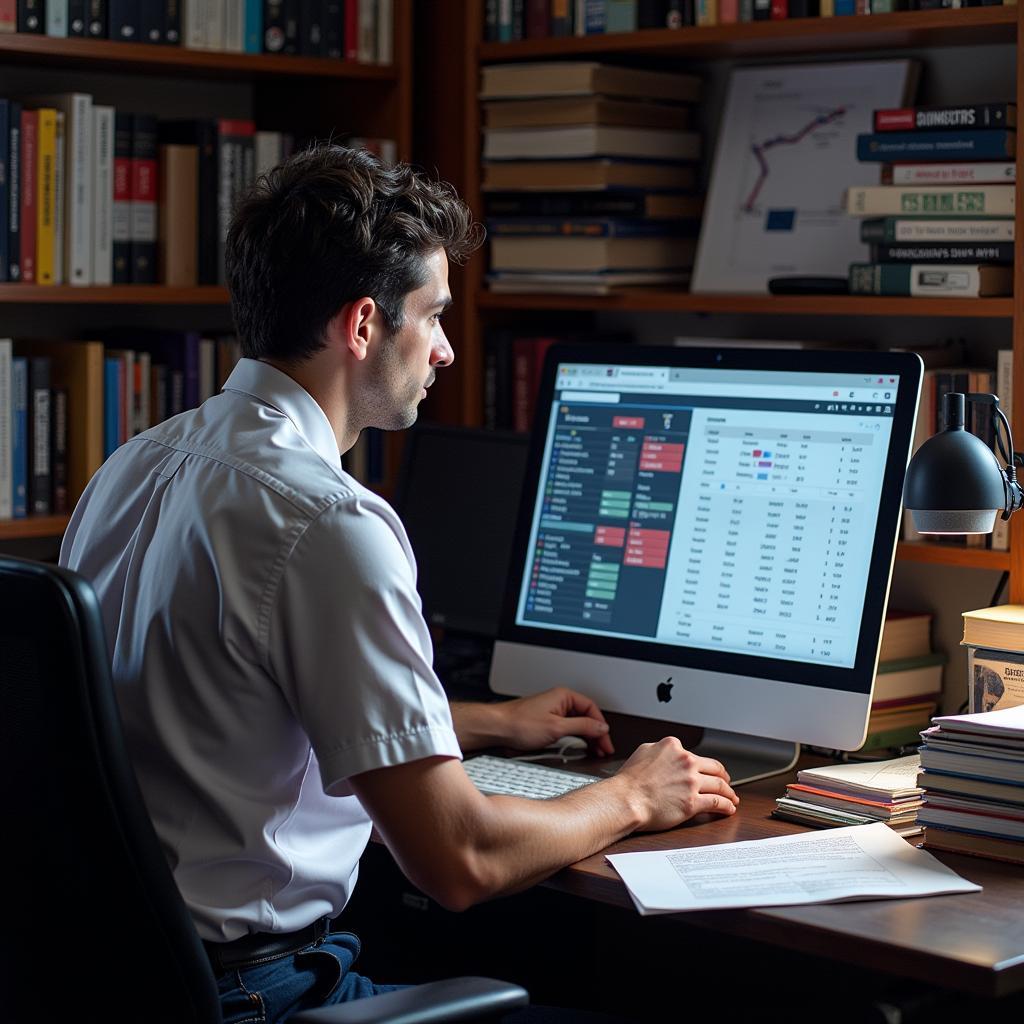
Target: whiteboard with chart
x: 786, y: 153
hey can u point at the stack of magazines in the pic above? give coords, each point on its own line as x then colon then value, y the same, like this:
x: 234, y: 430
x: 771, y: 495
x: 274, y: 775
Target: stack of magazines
x: 856, y: 794
x: 973, y: 780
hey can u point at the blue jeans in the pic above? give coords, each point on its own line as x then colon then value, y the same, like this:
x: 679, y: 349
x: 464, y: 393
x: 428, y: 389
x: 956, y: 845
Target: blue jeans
x: 318, y: 975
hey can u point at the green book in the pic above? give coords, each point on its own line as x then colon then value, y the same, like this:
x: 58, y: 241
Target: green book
x: 931, y: 279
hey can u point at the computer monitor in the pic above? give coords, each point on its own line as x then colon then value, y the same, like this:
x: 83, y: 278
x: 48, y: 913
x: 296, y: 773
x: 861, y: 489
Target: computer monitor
x: 707, y: 537
x: 458, y: 495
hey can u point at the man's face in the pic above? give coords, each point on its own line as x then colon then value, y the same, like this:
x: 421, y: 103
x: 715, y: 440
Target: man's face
x: 989, y: 700
x: 404, y: 365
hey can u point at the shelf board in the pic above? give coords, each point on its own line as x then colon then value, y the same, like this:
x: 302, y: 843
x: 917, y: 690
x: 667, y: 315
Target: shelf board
x: 121, y: 295
x: 941, y: 554
x: 143, y: 58
x: 33, y: 526
x: 902, y: 30
x: 654, y: 300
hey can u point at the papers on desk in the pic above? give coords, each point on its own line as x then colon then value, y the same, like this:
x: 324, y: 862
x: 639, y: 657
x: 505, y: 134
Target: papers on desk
x: 857, y: 863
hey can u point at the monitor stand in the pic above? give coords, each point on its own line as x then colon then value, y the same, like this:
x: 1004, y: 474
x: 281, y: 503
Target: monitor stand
x: 746, y: 758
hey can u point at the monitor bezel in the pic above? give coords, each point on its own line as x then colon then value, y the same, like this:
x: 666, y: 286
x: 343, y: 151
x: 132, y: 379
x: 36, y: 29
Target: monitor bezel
x: 857, y: 679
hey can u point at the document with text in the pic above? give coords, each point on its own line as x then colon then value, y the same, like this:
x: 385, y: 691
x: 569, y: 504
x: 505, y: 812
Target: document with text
x: 860, y: 862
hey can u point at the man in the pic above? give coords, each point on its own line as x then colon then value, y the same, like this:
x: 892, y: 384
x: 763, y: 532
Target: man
x: 271, y: 662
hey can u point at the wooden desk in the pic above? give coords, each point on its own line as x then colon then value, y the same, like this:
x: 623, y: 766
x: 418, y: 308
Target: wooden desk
x: 972, y: 942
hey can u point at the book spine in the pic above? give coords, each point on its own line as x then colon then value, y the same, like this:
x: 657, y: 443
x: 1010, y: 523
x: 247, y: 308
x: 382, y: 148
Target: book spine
x: 351, y: 29
x: 46, y: 200
x: 234, y: 26
x: 779, y: 10
x: 565, y: 204
x: 5, y: 190
x: 19, y: 438
x: 40, y: 480
x: 8, y: 16
x: 386, y: 32
x: 999, y: 252
x: 978, y: 201
x: 950, y: 174
x: 29, y: 189
x: 103, y: 196
x: 979, y: 115
x: 123, y: 20
x: 14, y: 194
x: 59, y: 450
x: 367, y: 42
x: 895, y: 146
x: 915, y: 279
x: 79, y: 199
x: 537, y: 19
x: 31, y: 17
x: 561, y: 17
x: 56, y: 18
x: 291, y: 26
x: 6, y: 429
x: 273, y: 26
x: 311, y: 30
x: 253, y: 27
x: 1004, y: 389
x: 172, y: 22
x: 59, y: 189
x: 490, y: 21
x: 762, y: 10
x: 216, y: 24
x: 924, y: 229
x: 121, y: 231
x: 144, y: 192
x: 728, y: 12
x: 111, y: 405
x: 707, y: 12
x: 97, y: 19
x: 555, y: 227
x: 334, y: 29
x: 77, y: 10
x: 151, y: 21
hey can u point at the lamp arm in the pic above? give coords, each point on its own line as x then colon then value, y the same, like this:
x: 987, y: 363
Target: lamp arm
x: 1012, y: 489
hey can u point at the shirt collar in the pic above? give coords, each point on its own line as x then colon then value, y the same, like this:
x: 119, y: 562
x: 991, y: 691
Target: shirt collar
x: 270, y: 386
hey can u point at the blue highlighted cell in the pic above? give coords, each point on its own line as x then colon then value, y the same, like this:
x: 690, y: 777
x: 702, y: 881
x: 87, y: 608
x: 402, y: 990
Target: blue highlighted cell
x: 780, y: 220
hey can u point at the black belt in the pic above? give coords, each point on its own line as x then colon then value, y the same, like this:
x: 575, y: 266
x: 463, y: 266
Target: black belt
x: 262, y: 947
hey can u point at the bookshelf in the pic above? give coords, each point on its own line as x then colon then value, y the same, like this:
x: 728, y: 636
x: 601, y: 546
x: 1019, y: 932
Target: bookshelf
x: 452, y: 130
x: 308, y: 96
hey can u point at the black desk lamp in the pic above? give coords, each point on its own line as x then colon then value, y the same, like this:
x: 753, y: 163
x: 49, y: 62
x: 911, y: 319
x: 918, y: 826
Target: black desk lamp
x: 954, y: 482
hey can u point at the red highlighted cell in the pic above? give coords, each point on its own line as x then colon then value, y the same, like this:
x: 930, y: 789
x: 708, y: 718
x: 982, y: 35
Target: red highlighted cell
x: 662, y: 465
x: 628, y: 422
x: 644, y: 562
x: 610, y: 536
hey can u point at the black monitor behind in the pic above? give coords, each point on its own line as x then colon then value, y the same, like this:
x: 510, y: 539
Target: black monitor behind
x: 458, y: 495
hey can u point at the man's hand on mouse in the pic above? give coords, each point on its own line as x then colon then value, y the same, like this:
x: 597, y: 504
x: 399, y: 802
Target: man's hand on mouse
x: 533, y: 723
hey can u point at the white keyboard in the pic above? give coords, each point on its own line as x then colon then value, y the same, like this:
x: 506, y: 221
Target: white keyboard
x: 499, y: 775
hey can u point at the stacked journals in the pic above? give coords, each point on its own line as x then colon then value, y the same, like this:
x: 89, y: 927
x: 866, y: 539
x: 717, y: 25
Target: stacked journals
x: 588, y: 176
x: 856, y: 794
x: 942, y: 221
x: 994, y: 639
x: 907, y: 683
x: 360, y: 30
x: 973, y: 781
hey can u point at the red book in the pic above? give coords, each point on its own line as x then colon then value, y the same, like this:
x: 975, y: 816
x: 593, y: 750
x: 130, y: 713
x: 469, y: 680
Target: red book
x: 351, y: 29
x: 894, y: 120
x: 527, y: 367
x: 780, y: 10
x: 537, y: 19
x: 29, y: 157
x: 8, y: 15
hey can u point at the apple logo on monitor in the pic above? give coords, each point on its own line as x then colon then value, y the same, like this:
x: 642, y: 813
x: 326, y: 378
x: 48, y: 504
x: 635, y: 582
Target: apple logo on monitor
x: 665, y: 691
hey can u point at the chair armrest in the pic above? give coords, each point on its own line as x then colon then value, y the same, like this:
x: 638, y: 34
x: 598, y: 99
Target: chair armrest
x: 436, y: 1002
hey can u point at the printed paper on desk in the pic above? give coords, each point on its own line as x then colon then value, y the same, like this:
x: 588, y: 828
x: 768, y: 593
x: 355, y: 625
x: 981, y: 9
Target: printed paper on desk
x: 860, y: 862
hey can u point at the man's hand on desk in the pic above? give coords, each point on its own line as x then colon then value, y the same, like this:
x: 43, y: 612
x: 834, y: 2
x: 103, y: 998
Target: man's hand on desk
x: 676, y: 784
x: 532, y: 723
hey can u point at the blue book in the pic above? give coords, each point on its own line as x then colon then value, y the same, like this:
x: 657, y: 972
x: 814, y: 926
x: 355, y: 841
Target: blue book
x: 111, y: 405
x: 5, y: 186
x: 949, y: 146
x: 590, y: 227
x: 845, y: 7
x: 594, y: 20
x: 253, y: 26
x: 19, y: 436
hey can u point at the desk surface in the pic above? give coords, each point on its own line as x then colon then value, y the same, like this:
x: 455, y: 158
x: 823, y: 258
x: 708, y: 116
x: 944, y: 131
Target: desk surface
x: 972, y: 942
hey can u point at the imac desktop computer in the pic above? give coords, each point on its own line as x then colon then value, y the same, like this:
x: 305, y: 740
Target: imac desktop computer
x: 707, y: 537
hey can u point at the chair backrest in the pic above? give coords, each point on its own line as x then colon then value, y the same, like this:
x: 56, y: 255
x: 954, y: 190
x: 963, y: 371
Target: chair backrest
x: 92, y: 922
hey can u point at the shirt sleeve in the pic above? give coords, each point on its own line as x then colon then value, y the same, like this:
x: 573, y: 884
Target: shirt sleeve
x: 347, y: 644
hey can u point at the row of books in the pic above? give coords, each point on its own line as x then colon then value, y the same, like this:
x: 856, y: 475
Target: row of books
x: 65, y: 406
x: 958, y: 227
x: 359, y: 30
x: 507, y: 21
x: 90, y: 195
x: 973, y: 782
x: 589, y: 176
x: 936, y: 383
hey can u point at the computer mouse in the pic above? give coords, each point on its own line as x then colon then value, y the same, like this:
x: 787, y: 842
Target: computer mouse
x: 569, y: 745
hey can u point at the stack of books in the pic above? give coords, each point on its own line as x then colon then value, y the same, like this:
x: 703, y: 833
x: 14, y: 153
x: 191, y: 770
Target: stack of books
x: 361, y: 30
x: 588, y: 178
x: 994, y: 640
x: 973, y: 781
x: 856, y: 794
x: 908, y: 682
x: 941, y: 223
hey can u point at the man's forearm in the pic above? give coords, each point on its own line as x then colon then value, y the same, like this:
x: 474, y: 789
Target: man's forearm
x: 477, y: 725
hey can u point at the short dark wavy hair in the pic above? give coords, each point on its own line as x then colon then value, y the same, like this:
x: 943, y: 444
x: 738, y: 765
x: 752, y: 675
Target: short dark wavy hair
x: 326, y: 227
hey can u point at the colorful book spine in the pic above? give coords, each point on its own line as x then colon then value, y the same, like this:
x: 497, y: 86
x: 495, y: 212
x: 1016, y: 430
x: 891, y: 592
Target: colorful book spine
x: 956, y: 279
x: 121, y: 232
x: 558, y: 227
x: 253, y: 42
x: 958, y: 145
x: 979, y: 115
x: 8, y: 16
x: 936, y: 229
x: 29, y: 187
x: 999, y: 252
x: 910, y: 201
x: 986, y: 173
x: 46, y: 195
x: 111, y: 405
x: 144, y: 194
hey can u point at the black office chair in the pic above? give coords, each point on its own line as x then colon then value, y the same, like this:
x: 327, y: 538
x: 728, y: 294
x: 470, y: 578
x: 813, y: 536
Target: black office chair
x: 92, y: 920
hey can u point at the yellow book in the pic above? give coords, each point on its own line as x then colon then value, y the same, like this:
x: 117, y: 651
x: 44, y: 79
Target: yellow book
x: 46, y: 196
x: 827, y: 9
x: 1001, y: 627
x: 707, y: 12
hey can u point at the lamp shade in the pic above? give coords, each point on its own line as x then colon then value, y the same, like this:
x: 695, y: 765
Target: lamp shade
x: 954, y: 484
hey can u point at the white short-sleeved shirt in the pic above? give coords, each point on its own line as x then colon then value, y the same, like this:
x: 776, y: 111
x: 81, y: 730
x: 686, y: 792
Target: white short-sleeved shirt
x: 267, y: 641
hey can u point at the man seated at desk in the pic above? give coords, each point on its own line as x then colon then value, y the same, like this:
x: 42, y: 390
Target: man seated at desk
x: 271, y: 662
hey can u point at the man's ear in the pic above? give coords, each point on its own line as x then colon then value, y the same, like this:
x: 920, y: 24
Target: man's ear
x: 353, y: 326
